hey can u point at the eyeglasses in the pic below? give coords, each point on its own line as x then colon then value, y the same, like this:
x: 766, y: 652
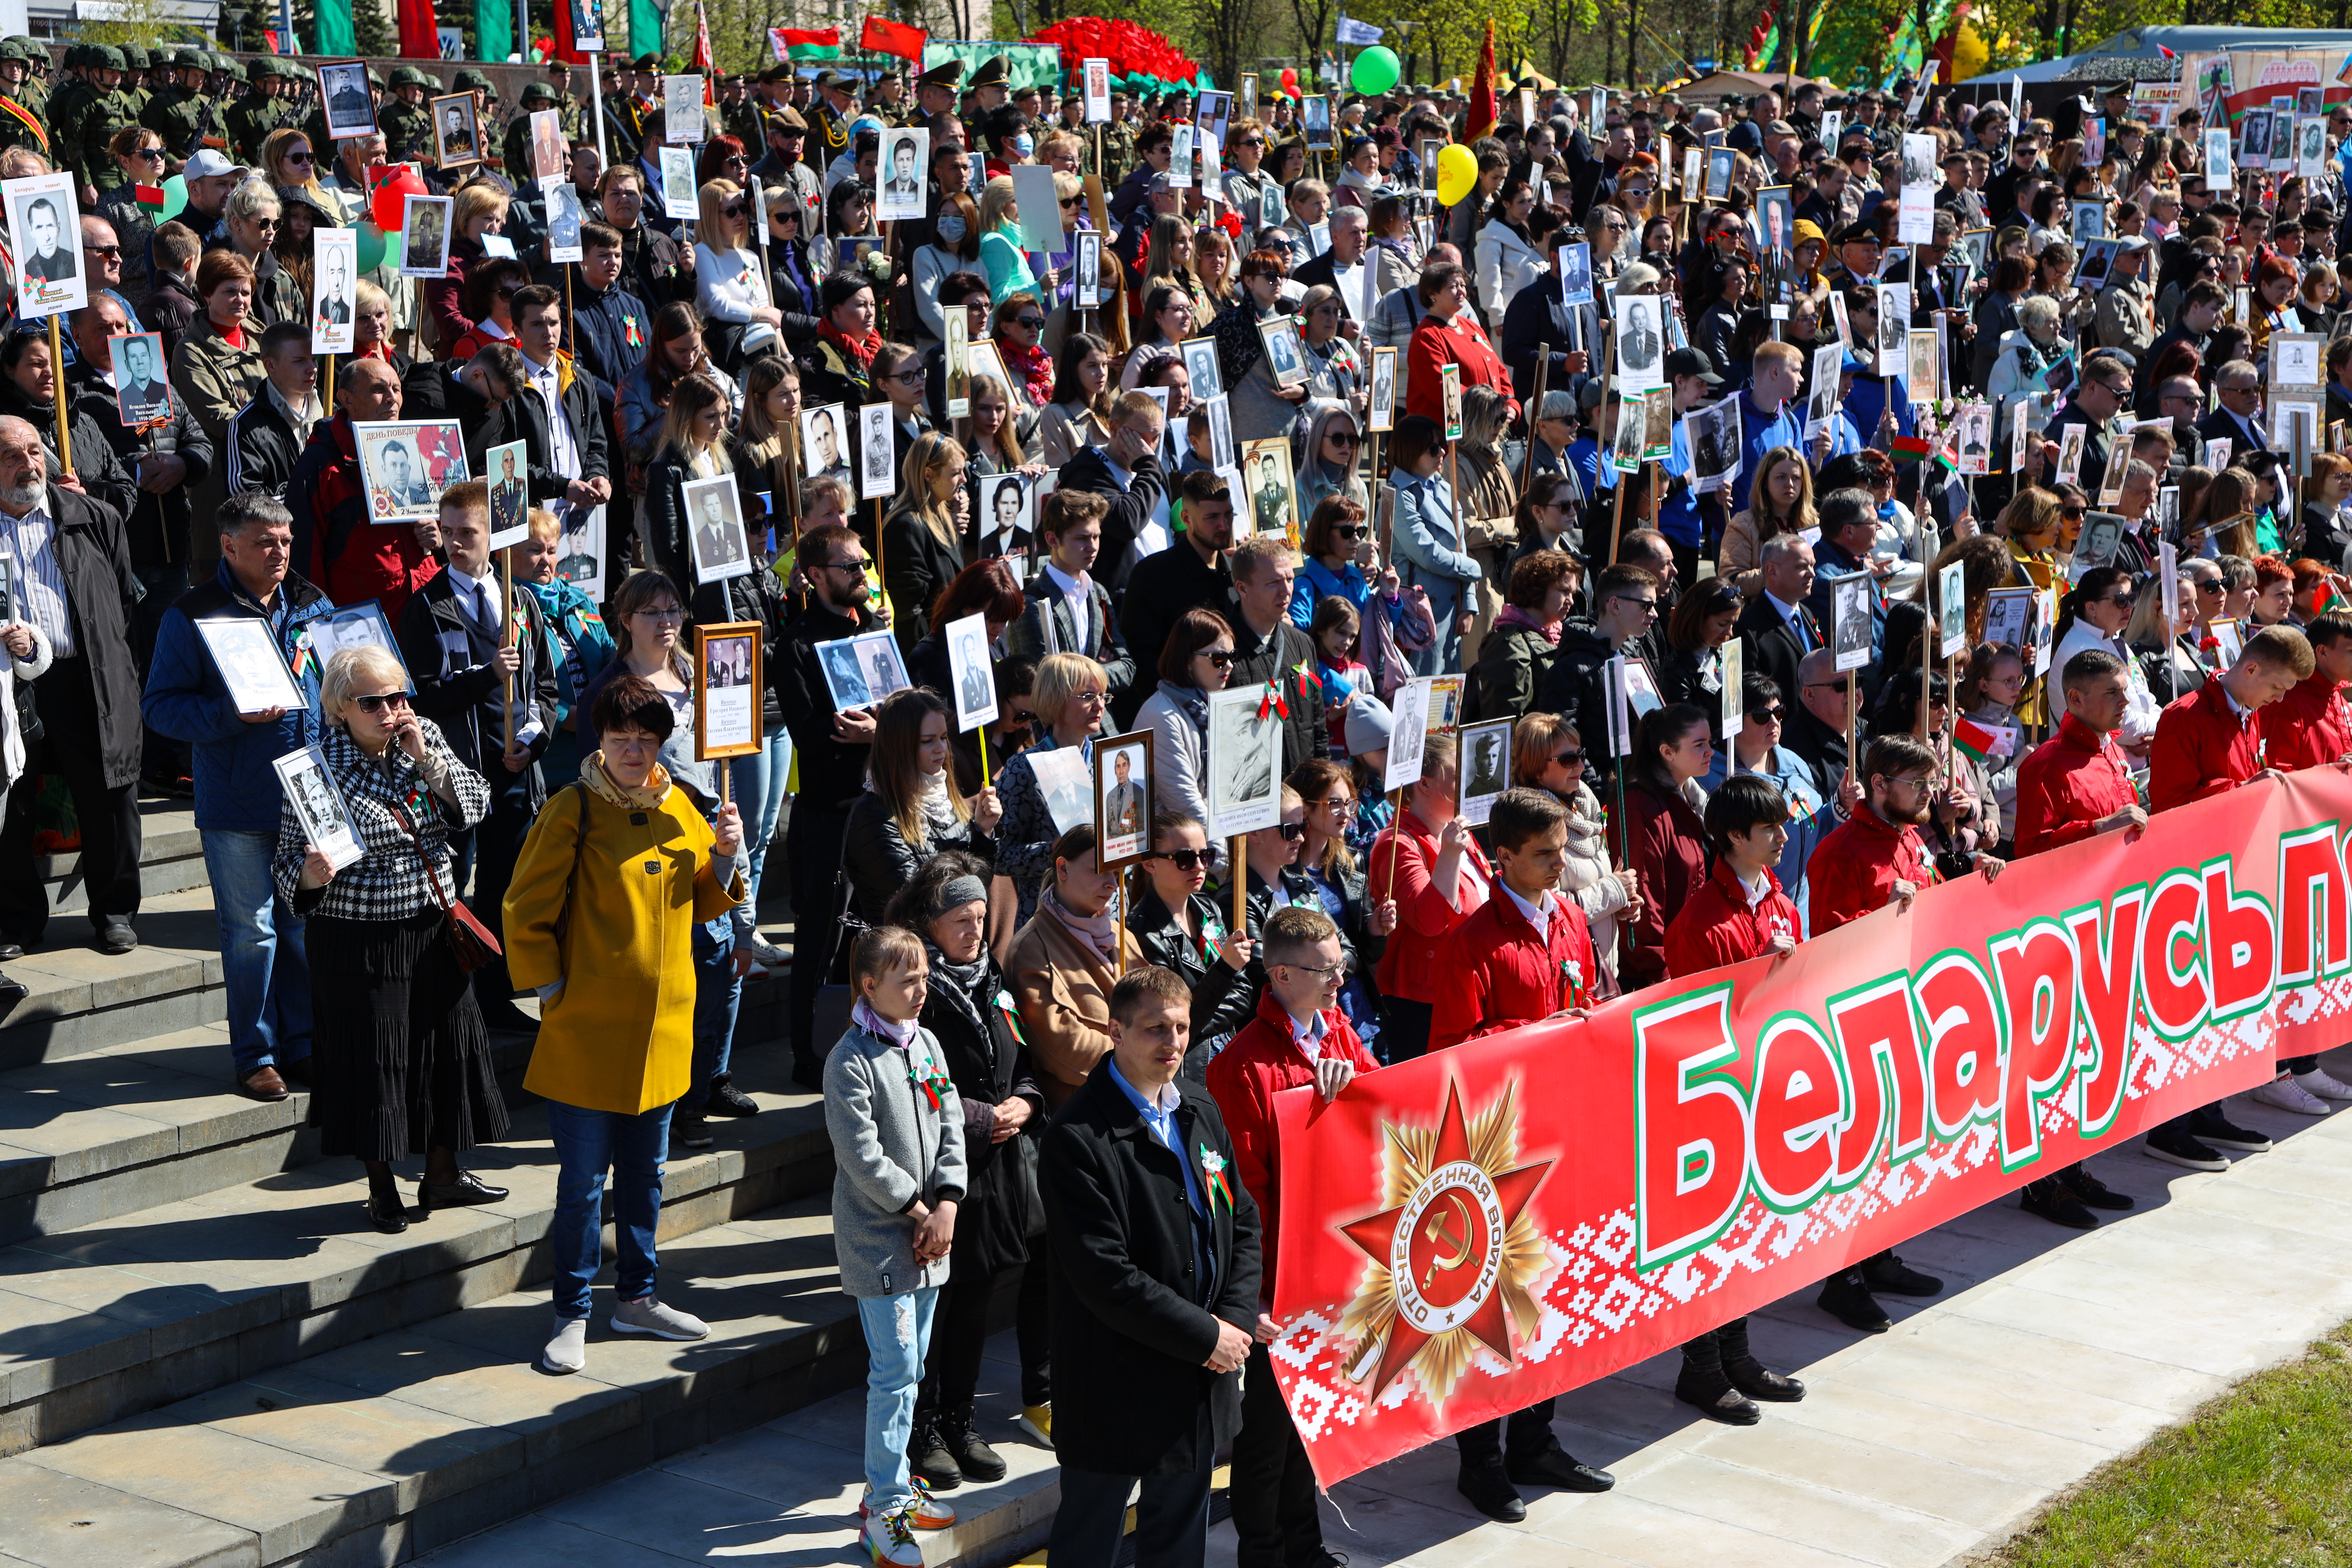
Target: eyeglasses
x: 378, y: 703
x: 1186, y: 860
x: 858, y: 565
x: 663, y: 613
x: 1222, y: 660
x: 1326, y: 972
x: 1838, y: 686
x: 1332, y: 803
x: 1029, y: 324
x: 111, y: 252
x: 1915, y: 781
x: 1571, y: 758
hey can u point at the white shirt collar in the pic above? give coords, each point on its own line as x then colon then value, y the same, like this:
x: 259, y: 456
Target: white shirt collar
x: 1756, y: 891
x: 1538, y: 915
x: 1308, y: 1037
x: 1078, y: 587
x: 491, y: 329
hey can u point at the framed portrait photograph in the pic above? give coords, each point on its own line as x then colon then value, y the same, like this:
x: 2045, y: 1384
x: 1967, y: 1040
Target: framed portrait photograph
x: 1200, y: 366
x: 1893, y: 329
x: 310, y: 790
x: 878, y: 449
x: 1408, y: 735
x: 1952, y: 611
x: 405, y: 467
x: 1633, y: 433
x: 2070, y: 453
x: 1221, y: 432
x: 1381, y: 413
x: 1731, y: 688
x: 343, y: 99
x: 1924, y: 367
x: 1720, y: 163
x: 1712, y: 434
x: 682, y: 117
x: 824, y: 443
x: 1449, y: 400
x: 546, y: 145
x: 1007, y: 524
x: 714, y: 529
x: 1850, y: 621
x: 587, y: 24
x: 1244, y: 762
x: 424, y: 236
x: 1444, y: 703
x: 1123, y: 798
x: 334, y: 288
x: 727, y: 685
x: 1821, y: 397
x: 506, y: 468
x: 1315, y: 114
x: 1975, y: 433
x: 971, y: 673
x: 860, y: 672
x: 1485, y: 768
x: 1576, y: 274
x: 364, y: 625
x: 985, y: 360
x: 1180, y: 156
x: 2111, y: 483
x: 2296, y: 358
x: 1285, y: 355
x: 45, y: 221
x: 2090, y: 222
x: 1657, y: 423
x: 1087, y: 268
x: 456, y: 137
x: 680, y: 196
x: 563, y: 220
x: 1774, y: 219
x: 1267, y: 480
x: 1641, y: 342
x: 250, y: 665
x: 142, y: 384
x: 579, y: 552
x: 1096, y: 77
x: 899, y: 165
x: 2102, y: 536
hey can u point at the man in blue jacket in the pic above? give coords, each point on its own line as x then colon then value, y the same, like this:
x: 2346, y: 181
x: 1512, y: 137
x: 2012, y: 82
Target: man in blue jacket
x: 263, y: 968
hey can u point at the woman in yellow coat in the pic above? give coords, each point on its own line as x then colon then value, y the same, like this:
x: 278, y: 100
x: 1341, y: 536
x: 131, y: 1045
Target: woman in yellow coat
x: 600, y: 919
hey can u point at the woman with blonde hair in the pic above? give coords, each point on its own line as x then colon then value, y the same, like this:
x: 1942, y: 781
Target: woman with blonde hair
x: 2032, y: 523
x: 480, y: 208
x: 996, y: 436
x: 692, y: 445
x: 401, y: 1065
x: 727, y: 283
x: 287, y: 158
x: 911, y: 809
x: 1217, y: 263
x: 1069, y: 699
x: 1002, y: 253
x: 1780, y: 500
x: 923, y: 544
x: 252, y: 216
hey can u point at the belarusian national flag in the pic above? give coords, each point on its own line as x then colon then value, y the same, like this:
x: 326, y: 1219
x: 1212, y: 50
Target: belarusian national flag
x: 805, y: 43
x: 1982, y: 743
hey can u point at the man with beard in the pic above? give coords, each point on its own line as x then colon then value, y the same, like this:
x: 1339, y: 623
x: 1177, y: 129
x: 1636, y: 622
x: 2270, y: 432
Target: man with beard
x: 1877, y: 858
x: 1192, y: 573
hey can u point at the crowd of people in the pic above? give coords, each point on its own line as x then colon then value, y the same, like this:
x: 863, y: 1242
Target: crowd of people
x: 1031, y: 1062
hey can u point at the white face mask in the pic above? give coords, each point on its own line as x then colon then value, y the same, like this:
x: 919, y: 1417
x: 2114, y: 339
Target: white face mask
x: 950, y: 227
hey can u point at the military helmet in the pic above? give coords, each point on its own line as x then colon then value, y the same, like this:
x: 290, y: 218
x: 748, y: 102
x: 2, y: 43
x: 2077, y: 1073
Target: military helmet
x: 538, y: 92
x: 134, y: 57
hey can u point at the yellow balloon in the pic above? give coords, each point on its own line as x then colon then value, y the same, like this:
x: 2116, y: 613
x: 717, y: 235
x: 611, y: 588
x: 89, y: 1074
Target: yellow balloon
x: 1458, y: 171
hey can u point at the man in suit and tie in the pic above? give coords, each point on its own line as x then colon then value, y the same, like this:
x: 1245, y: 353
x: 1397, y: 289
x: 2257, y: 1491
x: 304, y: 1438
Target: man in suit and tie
x: 1849, y: 527
x: 2238, y: 388
x: 335, y: 293
x: 1068, y: 611
x: 1777, y: 629
x: 1123, y: 803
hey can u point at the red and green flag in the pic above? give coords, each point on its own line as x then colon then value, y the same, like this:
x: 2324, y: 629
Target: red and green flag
x: 805, y: 43
x: 1982, y: 743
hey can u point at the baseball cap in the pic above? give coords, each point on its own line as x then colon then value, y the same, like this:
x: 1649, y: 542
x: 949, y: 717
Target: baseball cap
x: 1692, y: 362
x: 209, y: 163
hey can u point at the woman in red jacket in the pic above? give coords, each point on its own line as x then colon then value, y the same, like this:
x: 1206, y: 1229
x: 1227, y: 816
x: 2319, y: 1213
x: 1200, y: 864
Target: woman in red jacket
x: 1427, y: 862
x: 1661, y: 838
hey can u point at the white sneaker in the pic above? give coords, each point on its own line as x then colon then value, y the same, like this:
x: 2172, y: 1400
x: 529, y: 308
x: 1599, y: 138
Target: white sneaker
x: 2283, y: 1093
x: 2317, y: 1082
x: 889, y: 1539
x: 767, y: 952
x: 650, y: 1317
x: 568, y: 1351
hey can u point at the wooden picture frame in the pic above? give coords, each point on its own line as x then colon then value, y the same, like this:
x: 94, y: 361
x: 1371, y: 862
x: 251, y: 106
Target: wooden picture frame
x: 463, y: 155
x: 721, y: 734
x: 1123, y: 831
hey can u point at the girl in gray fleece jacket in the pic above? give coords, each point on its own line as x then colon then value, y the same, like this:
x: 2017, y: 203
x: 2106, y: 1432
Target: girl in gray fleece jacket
x: 897, y: 1154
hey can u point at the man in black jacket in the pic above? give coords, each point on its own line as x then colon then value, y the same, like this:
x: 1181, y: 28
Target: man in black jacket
x: 1070, y: 533
x: 1126, y: 472
x: 656, y: 271
x: 1624, y: 602
x: 74, y: 581
x: 1777, y: 629
x: 1189, y: 574
x: 1538, y: 323
x: 1154, y: 1288
x: 470, y: 657
x: 611, y: 327
x: 1268, y: 647
x: 832, y: 748
x: 265, y: 436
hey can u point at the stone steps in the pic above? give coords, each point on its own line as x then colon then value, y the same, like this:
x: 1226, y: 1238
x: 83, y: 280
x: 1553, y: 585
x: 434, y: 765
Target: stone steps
x: 171, y: 859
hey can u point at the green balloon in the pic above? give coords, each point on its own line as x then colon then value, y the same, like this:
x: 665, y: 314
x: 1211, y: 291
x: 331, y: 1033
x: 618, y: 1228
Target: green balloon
x: 175, y: 198
x: 1375, y: 71
x: 372, y: 246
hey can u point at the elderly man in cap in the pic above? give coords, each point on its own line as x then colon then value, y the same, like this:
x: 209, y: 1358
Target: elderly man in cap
x: 2126, y: 320
x: 784, y: 167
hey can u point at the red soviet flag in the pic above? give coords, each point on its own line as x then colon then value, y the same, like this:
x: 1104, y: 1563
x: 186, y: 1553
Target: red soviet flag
x: 884, y: 36
x: 420, y: 35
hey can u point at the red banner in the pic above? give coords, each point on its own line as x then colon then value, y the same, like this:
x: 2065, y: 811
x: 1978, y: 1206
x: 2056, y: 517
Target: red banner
x: 1471, y: 1232
x: 883, y: 37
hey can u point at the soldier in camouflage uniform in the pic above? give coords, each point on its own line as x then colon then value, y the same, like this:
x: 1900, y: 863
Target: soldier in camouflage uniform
x: 20, y: 123
x: 1118, y: 142
x: 67, y: 107
x: 573, y: 111
x: 536, y: 97
x: 407, y: 123
x: 739, y: 113
x: 176, y: 112
x: 254, y: 115
x: 106, y: 112
x: 133, y: 88
x: 36, y: 56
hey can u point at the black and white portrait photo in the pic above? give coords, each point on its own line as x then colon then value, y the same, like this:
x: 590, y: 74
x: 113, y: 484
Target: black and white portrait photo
x: 334, y: 288
x: 1244, y: 762
x: 1485, y: 769
x: 1632, y: 434
x: 824, y: 443
x: 1821, y: 399
x: 1087, y: 267
x: 1976, y: 439
x: 880, y: 663
x: 1122, y: 798
x: 1381, y: 413
x: 1408, y: 734
x: 682, y: 116
x: 425, y: 236
x: 310, y: 791
x: 1201, y: 366
x: 45, y: 224
x: 680, y: 198
x: 457, y: 139
x: 971, y: 672
x: 1285, y: 357
x: 901, y: 168
x: 1893, y: 329
x: 563, y: 218
x: 1641, y: 342
x: 1576, y: 274
x: 844, y: 679
x: 343, y: 99
x: 1712, y: 434
x: 1850, y: 610
x: 364, y: 625
x: 250, y: 665
x: 143, y: 386
x: 2254, y: 139
x: 1720, y: 163
x: 1005, y: 525
x: 879, y: 449
x: 714, y: 529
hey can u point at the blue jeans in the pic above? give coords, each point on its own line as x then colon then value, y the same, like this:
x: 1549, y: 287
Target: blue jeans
x: 760, y: 796
x: 717, y: 992
x: 587, y: 1144
x: 898, y: 1333
x: 263, y: 971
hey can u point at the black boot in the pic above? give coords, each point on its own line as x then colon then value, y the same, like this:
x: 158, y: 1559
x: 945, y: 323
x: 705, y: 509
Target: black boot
x: 726, y: 1100
x: 1710, y: 1390
x: 974, y: 1458
x: 1885, y: 1271
x: 2053, y: 1200
x: 1847, y: 1297
x: 1750, y: 1375
x: 1490, y: 1491
x: 927, y: 1457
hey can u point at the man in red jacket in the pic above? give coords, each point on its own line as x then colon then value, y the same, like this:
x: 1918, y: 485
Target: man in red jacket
x: 1299, y: 1036
x: 1521, y: 956
x: 2311, y: 727
x: 1874, y: 859
x: 1427, y: 863
x: 1740, y: 913
x: 1450, y: 335
x: 2076, y: 785
x: 2208, y: 744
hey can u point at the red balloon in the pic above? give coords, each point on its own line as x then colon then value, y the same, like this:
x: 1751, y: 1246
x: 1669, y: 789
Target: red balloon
x: 1289, y: 76
x: 388, y: 201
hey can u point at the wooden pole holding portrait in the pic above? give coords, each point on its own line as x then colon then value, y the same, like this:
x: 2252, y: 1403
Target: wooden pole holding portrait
x: 507, y: 640
x: 1535, y: 412
x: 58, y: 380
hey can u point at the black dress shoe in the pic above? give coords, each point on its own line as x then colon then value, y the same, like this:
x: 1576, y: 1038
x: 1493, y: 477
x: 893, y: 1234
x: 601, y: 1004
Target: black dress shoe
x: 1757, y: 1381
x: 689, y: 1129
x: 115, y: 938
x: 11, y: 993
x: 10, y: 952
x: 2220, y: 1131
x: 384, y: 1213
x: 1556, y: 1466
x: 1847, y: 1298
x: 1711, y: 1392
x: 2092, y: 1191
x: 465, y: 1192
x: 726, y: 1100
x: 1886, y: 1273
x: 2052, y: 1200
x: 1490, y: 1491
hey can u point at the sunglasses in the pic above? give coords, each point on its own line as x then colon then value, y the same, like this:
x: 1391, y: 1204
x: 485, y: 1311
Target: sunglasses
x: 1186, y: 860
x: 1029, y: 324
x: 1765, y: 715
x: 1292, y: 832
x: 734, y: 209
x: 1346, y: 530
x: 1071, y: 201
x: 155, y: 155
x: 1571, y: 758
x: 1837, y: 686
x: 1344, y: 439
x: 1222, y: 660
x: 378, y: 704
x: 111, y: 252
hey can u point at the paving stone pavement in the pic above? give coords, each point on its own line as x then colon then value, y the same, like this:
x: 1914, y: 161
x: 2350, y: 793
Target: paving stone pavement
x: 2049, y: 1354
